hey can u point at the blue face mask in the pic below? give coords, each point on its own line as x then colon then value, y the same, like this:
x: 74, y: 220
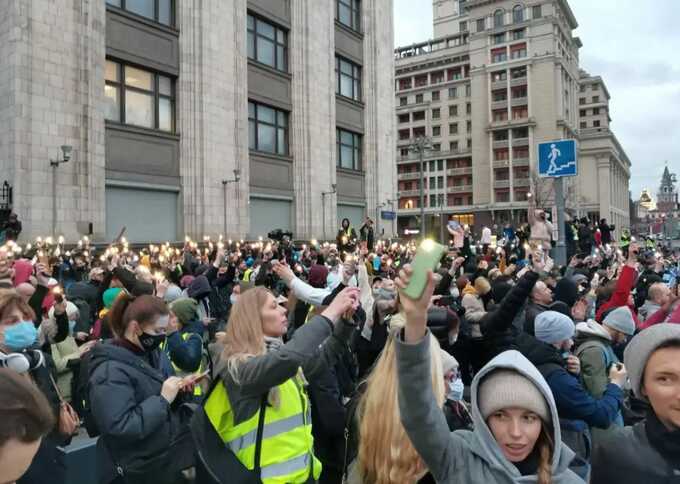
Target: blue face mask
x: 20, y: 336
x: 456, y: 389
x: 71, y: 327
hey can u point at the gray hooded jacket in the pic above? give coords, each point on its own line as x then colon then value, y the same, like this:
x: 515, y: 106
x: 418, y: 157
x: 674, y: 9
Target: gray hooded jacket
x: 465, y: 456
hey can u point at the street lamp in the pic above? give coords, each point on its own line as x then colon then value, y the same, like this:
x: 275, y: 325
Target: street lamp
x: 420, y: 145
x: 334, y: 190
x: 442, y: 204
x: 66, y: 151
x: 236, y: 179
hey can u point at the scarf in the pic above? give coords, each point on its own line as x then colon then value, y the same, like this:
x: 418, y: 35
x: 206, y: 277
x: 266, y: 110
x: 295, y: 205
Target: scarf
x: 665, y: 442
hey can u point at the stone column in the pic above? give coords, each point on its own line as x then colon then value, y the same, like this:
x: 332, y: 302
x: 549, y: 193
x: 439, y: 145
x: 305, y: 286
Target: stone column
x: 379, y: 158
x: 312, y: 135
x: 213, y: 115
x: 52, y: 94
x: 603, y: 173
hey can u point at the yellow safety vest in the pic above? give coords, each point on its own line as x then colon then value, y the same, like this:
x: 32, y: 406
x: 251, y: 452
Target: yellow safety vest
x: 287, y: 454
x: 198, y: 391
x: 247, y: 275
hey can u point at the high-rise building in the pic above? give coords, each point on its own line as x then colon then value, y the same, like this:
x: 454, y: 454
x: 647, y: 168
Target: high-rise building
x: 500, y: 77
x: 232, y: 117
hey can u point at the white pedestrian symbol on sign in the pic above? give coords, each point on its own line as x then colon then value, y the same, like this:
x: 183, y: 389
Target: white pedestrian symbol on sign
x: 554, y: 155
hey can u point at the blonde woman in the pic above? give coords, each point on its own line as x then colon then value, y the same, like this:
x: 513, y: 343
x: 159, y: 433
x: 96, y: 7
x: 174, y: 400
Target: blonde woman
x: 259, y: 405
x: 385, y: 453
x: 516, y: 437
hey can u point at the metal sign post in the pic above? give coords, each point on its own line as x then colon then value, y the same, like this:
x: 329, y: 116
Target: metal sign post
x: 556, y: 160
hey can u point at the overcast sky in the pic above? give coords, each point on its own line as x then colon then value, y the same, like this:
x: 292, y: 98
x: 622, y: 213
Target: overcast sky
x: 633, y: 45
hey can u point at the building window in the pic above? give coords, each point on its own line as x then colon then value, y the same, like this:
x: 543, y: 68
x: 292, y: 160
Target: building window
x: 498, y: 20
x: 518, y: 14
x: 468, y: 108
x: 436, y: 113
x: 582, y: 101
x: 453, y: 128
x: 349, y: 149
x: 498, y: 38
x: 347, y: 79
x: 499, y: 95
x: 267, y: 129
x: 463, y: 26
x: 403, y: 101
x: 453, y: 93
x: 520, y: 112
x: 582, y: 88
x: 348, y: 13
x: 499, y: 76
x: 453, y: 146
x: 419, y: 98
x: 518, y: 72
x: 469, y: 126
x: 519, y: 92
x: 481, y: 25
x: 161, y: 11
x: 404, y: 118
x: 419, y: 116
x: 536, y: 12
x: 584, y: 124
x: 518, y: 34
x: 436, y: 131
x: 453, y: 111
x: 596, y: 111
x: 499, y: 55
x: 138, y: 97
x: 596, y: 99
x: 404, y: 134
x: 582, y: 112
x: 440, y: 181
x: 404, y: 83
x: 440, y: 165
x: 596, y: 123
x: 435, y: 95
x: 518, y: 51
x: 500, y: 115
x: 437, y: 77
x: 267, y: 43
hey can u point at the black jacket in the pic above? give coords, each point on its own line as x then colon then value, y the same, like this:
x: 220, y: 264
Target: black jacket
x: 135, y: 422
x: 626, y: 456
x: 497, y: 327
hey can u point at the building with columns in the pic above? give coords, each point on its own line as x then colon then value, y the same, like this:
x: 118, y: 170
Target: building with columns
x: 189, y: 117
x: 499, y: 77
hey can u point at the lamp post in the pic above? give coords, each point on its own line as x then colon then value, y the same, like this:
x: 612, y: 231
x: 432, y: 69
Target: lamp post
x: 236, y: 179
x: 441, y: 218
x: 334, y: 190
x: 65, y: 157
x: 420, y: 145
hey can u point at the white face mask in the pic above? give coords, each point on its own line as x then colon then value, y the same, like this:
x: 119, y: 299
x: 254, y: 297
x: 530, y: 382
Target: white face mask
x: 454, y: 292
x: 456, y: 389
x: 233, y: 298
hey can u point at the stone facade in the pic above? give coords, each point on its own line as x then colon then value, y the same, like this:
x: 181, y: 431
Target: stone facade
x: 51, y: 95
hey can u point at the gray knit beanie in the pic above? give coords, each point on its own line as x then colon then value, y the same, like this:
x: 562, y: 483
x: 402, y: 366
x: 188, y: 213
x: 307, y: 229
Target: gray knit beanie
x: 640, y: 349
x: 510, y: 389
x: 621, y: 320
x: 553, y: 327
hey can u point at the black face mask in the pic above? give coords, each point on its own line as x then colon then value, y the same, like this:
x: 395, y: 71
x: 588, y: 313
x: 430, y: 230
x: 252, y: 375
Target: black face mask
x: 151, y: 341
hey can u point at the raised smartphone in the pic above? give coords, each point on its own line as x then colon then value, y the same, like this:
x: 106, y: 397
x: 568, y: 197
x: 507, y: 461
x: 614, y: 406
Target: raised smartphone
x: 427, y: 258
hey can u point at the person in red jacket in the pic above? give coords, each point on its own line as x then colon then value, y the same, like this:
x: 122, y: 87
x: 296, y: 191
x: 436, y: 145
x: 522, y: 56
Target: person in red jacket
x: 623, y: 295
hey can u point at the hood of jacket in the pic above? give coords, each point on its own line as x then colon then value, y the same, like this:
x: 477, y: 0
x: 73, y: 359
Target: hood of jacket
x: 648, y: 308
x: 199, y: 288
x: 107, y: 352
x: 486, y: 446
x: 589, y: 330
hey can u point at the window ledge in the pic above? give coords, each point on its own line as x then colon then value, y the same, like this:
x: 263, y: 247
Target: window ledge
x: 269, y: 69
x: 271, y: 156
x: 347, y: 171
x: 349, y: 30
x: 349, y: 100
x: 141, y: 130
x: 144, y: 20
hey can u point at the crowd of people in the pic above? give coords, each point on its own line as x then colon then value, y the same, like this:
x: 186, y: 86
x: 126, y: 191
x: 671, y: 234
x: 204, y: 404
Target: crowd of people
x: 279, y: 361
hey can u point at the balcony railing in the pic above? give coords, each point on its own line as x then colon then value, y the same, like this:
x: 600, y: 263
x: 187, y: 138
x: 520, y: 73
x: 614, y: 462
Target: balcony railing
x: 460, y: 171
x: 501, y: 163
x: 499, y: 104
x: 459, y: 189
x: 520, y: 162
x: 504, y: 143
x: 408, y: 176
x: 495, y: 85
x: 501, y: 184
x: 409, y: 193
x: 518, y: 82
x: 522, y: 182
x: 520, y: 101
x: 435, y: 155
x: 520, y: 142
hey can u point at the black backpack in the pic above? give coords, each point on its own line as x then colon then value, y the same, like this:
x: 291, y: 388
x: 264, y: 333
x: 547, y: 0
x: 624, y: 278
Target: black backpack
x: 82, y: 389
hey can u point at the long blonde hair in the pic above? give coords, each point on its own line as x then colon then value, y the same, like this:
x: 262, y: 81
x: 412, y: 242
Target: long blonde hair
x: 386, y: 455
x: 244, y: 338
x: 546, y: 449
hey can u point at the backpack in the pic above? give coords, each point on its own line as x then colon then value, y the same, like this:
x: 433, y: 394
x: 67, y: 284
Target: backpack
x: 608, y: 360
x: 82, y: 388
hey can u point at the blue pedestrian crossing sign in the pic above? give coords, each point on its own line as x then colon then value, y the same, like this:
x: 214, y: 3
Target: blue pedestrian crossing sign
x: 557, y: 159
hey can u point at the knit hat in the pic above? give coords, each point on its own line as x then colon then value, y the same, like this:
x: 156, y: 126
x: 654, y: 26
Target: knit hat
x: 184, y: 309
x: 185, y: 281
x: 448, y: 362
x: 172, y: 293
x: 565, y: 291
x: 553, y: 327
x: 509, y: 389
x: 110, y: 296
x: 641, y: 347
x: 560, y: 307
x: 621, y: 320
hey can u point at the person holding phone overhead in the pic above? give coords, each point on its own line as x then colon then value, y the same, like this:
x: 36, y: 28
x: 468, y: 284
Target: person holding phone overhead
x: 516, y: 435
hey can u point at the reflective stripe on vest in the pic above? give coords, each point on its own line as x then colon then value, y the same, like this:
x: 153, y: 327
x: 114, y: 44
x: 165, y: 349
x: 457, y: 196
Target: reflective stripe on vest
x: 198, y: 391
x: 247, y: 275
x: 287, y: 444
